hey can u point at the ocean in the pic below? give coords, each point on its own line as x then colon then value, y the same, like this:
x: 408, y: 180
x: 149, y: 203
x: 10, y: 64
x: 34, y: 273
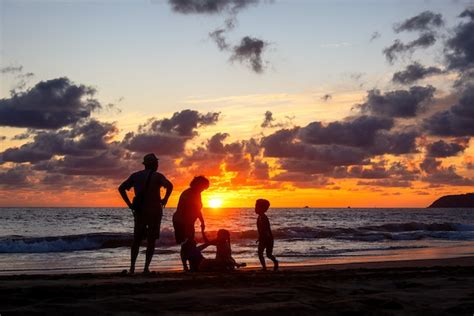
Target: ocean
x: 73, y: 240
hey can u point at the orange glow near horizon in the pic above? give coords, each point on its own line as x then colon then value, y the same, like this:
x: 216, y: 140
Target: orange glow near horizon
x: 215, y: 203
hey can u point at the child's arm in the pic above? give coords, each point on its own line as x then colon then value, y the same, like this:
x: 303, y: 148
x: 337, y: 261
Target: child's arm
x: 207, y: 244
x: 266, y: 229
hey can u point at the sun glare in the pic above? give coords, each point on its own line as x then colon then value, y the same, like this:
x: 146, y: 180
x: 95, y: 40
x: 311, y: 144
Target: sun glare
x: 215, y: 203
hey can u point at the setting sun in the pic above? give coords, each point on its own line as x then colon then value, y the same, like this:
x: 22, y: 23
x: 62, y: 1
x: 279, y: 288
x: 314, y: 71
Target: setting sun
x: 215, y: 203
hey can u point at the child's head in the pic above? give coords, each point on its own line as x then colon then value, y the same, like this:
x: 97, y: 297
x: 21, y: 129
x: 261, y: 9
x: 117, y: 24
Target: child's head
x: 261, y: 206
x: 223, y: 235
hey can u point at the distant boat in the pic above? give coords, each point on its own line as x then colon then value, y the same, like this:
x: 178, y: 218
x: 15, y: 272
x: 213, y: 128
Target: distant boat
x: 306, y: 206
x: 348, y: 207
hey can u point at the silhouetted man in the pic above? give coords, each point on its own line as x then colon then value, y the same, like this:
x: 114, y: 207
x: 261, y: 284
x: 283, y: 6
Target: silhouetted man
x: 149, y: 210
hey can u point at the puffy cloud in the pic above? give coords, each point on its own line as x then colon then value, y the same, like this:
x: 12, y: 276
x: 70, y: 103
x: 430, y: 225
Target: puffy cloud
x: 387, y: 183
x: 357, y: 132
x: 396, y: 143
x: 442, y: 149
x: 430, y: 165
x: 424, y: 21
x: 414, y: 72
x: 268, y: 121
x: 168, y: 136
x: 459, y: 49
x: 209, y: 6
x: 425, y: 40
x: 318, y: 148
x: 107, y: 164
x: 14, y: 177
x: 48, y: 105
x: 260, y: 170
x: 456, y: 121
x: 447, y: 176
x: 249, y: 51
x: 81, y: 140
x: 398, y: 103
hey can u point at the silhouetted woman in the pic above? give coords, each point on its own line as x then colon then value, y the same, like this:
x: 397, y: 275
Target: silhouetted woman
x: 187, y: 212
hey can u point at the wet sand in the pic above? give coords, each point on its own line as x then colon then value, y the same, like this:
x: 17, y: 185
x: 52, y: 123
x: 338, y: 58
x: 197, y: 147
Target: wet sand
x: 439, y: 287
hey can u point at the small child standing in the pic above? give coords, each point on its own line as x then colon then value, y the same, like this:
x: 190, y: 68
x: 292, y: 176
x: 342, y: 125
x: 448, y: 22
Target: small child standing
x: 265, y: 236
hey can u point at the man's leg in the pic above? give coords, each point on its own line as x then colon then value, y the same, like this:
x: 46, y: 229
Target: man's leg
x: 150, y: 250
x: 153, y: 234
x: 134, y: 254
x: 137, y: 239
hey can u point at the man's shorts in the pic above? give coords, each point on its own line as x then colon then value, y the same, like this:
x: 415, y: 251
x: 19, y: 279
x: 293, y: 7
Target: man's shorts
x: 147, y: 224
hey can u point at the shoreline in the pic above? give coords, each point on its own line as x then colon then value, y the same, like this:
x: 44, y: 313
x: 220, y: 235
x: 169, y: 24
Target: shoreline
x: 370, y: 257
x: 426, y: 286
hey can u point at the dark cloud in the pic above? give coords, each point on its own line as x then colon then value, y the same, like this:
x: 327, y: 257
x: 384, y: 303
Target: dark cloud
x: 456, y: 121
x: 377, y: 170
x: 396, y: 143
x: 106, y: 164
x: 318, y: 148
x: 425, y: 40
x: 168, y: 136
x: 424, y: 21
x: 82, y: 140
x: 374, y: 36
x: 260, y: 170
x: 14, y: 177
x: 285, y: 144
x: 430, y: 164
x: 216, y: 145
x: 209, y: 6
x: 398, y: 103
x: 447, y: 176
x: 23, y: 136
x: 48, y: 105
x: 414, y: 72
x: 249, y: 51
x: 306, y: 166
x: 2, y: 138
x: 326, y: 97
x: 386, y: 183
x: 268, y: 121
x: 442, y: 149
x: 302, y: 180
x: 439, y: 175
x: 459, y: 50
x: 218, y: 37
x: 358, y: 132
x: 282, y: 144
x: 11, y: 69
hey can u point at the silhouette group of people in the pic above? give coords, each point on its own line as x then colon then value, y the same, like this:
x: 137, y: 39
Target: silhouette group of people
x: 147, y: 208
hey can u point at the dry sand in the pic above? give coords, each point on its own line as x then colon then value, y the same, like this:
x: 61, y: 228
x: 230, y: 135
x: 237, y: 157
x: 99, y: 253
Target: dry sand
x: 417, y: 287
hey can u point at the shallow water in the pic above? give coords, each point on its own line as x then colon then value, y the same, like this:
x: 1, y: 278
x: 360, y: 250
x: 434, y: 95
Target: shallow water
x: 33, y: 240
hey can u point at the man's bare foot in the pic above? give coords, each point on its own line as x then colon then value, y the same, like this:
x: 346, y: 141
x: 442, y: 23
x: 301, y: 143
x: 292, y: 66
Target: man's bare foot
x: 275, y: 267
x: 126, y: 272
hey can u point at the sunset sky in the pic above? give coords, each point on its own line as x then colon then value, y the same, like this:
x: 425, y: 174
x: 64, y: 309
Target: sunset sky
x: 305, y: 102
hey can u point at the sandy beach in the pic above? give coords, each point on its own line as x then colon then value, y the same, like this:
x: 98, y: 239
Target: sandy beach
x: 436, y: 286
